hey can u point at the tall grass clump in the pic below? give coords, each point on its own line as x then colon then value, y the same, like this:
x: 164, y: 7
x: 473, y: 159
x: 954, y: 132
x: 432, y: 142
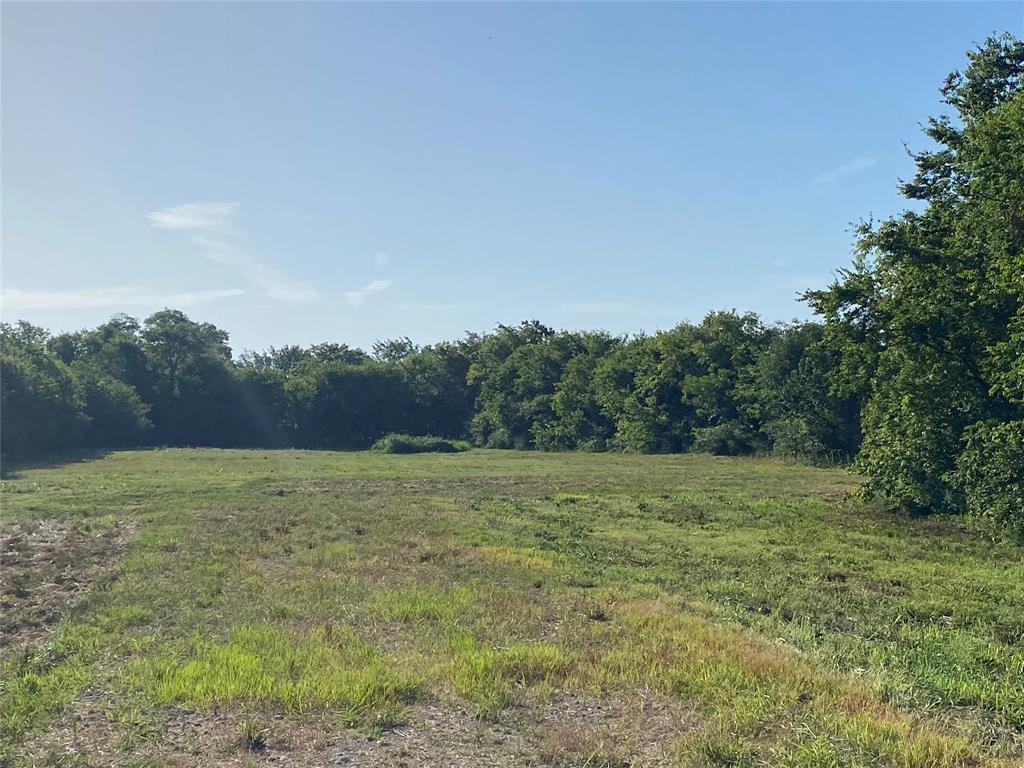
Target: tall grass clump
x: 327, y: 668
x: 489, y: 677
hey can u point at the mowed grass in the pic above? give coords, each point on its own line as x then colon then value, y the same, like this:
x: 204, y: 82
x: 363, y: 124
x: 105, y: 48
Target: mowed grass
x: 345, y: 589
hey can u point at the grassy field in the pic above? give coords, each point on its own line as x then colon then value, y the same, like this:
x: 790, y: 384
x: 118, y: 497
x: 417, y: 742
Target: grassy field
x: 491, y: 608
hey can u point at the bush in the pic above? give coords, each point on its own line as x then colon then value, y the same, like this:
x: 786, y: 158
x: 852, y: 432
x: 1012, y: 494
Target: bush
x: 728, y: 439
x: 398, y: 443
x: 990, y: 473
x: 41, y: 403
x: 117, y: 416
x: 792, y: 437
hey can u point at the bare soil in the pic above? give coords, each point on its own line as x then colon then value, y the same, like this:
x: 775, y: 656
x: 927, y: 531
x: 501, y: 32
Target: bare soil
x: 44, y: 566
x: 567, y: 730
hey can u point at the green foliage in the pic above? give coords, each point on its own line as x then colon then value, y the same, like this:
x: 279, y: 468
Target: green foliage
x: 341, y: 405
x: 788, y: 391
x: 118, y: 417
x: 792, y: 436
x: 399, y: 443
x: 516, y: 369
x: 170, y: 380
x: 928, y: 321
x: 195, y: 400
x: 42, y: 405
x: 578, y: 421
x: 990, y: 473
x: 639, y: 387
x: 730, y: 438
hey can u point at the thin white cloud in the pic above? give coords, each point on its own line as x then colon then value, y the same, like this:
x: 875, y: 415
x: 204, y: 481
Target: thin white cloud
x: 854, y: 166
x: 216, y: 218
x: 270, y: 282
x: 593, y: 307
x: 381, y: 259
x: 358, y: 298
x: 193, y: 216
x: 115, y: 296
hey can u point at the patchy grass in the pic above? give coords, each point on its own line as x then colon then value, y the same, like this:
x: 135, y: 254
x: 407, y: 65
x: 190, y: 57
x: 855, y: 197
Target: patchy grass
x: 487, y: 677
x: 328, y: 667
x: 265, y: 596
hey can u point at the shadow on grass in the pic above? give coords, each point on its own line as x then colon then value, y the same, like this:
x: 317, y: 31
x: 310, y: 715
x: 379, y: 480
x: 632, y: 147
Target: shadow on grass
x: 9, y: 470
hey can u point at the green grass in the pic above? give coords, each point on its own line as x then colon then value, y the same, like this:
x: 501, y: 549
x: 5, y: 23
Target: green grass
x: 305, y: 672
x: 345, y: 590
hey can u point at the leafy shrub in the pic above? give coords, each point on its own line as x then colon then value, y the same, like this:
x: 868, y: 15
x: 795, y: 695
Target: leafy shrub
x: 399, y: 443
x: 793, y: 437
x: 990, y: 472
x: 117, y: 415
x: 41, y: 402
x: 728, y: 439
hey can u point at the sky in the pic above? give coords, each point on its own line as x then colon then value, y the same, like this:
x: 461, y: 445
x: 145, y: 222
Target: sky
x: 307, y: 172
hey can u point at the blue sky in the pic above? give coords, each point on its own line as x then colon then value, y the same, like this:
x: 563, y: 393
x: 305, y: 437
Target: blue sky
x: 298, y: 173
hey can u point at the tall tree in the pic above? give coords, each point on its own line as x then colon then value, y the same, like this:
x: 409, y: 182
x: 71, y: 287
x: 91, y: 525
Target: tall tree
x: 928, y: 320
x: 196, y: 400
x: 41, y: 405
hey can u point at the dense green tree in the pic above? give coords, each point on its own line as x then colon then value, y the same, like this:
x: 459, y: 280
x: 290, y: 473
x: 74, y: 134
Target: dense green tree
x: 443, y: 397
x: 329, y: 352
x: 516, y: 369
x: 41, y: 405
x: 787, y: 392
x: 341, y: 405
x: 263, y: 407
x: 117, y: 416
x: 927, y: 321
x: 724, y: 347
x: 578, y: 421
x: 196, y: 398
x: 639, y: 387
x: 114, y: 348
x: 394, y: 350
x: 282, y: 360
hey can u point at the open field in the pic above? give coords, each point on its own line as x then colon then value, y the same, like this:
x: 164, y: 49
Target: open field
x: 491, y: 608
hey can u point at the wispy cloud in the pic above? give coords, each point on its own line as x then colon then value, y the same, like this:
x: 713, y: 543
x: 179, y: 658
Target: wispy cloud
x: 193, y: 216
x: 115, y: 296
x: 358, y: 298
x: 270, y: 282
x: 854, y: 166
x: 215, y: 218
x: 593, y: 307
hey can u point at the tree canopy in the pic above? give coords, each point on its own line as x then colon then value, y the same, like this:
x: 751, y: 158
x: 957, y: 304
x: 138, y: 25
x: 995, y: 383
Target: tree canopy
x: 929, y: 320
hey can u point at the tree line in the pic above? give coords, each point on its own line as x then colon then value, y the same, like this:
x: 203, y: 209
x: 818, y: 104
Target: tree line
x: 915, y: 371
x: 730, y: 385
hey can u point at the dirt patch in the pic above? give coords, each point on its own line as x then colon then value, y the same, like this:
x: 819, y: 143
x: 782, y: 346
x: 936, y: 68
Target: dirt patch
x: 94, y: 732
x: 567, y: 730
x: 639, y: 731
x: 44, y: 566
x: 437, y: 736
